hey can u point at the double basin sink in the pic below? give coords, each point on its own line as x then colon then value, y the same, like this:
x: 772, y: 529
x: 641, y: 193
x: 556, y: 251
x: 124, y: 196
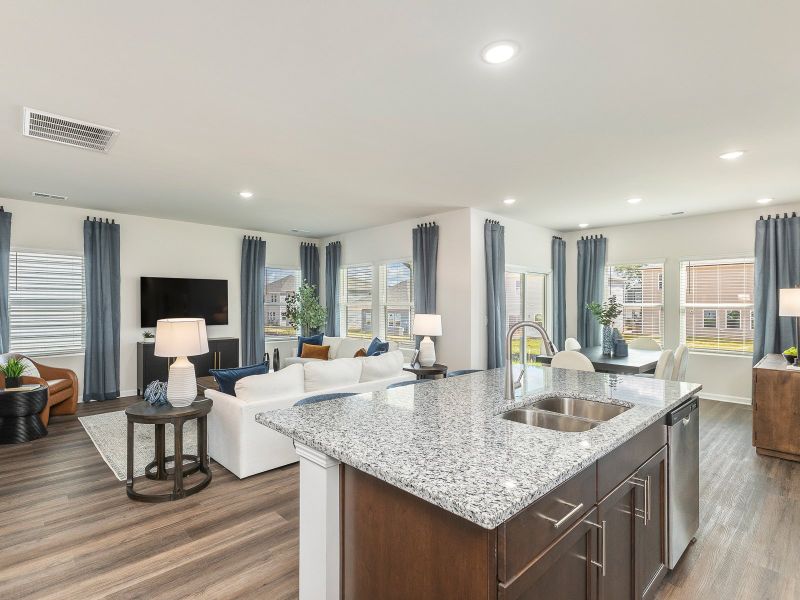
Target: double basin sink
x: 562, y: 413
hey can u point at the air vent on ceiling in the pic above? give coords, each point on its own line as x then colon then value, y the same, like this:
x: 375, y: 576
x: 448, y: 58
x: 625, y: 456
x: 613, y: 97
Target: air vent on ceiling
x: 49, y: 196
x: 63, y: 130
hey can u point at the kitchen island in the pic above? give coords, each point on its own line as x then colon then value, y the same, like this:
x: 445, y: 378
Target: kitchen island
x: 427, y: 491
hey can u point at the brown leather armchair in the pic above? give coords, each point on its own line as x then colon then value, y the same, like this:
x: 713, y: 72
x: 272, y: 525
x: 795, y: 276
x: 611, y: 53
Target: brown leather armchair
x: 62, y: 389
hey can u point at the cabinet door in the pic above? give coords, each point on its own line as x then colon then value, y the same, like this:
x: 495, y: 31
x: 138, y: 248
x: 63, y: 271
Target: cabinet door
x: 202, y: 363
x: 651, y: 525
x: 228, y: 353
x: 565, y: 571
x: 617, y: 513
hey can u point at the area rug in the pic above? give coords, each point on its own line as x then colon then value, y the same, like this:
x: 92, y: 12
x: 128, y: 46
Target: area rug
x: 109, y: 432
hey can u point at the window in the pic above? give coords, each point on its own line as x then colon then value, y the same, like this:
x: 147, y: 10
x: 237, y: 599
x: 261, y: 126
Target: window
x: 47, y: 303
x: 526, y: 300
x: 640, y: 290
x: 278, y: 283
x: 397, y: 303
x: 356, y: 300
x: 709, y: 287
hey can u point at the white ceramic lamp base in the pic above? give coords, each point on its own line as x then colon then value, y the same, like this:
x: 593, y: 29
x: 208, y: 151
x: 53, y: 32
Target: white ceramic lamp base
x: 427, y: 352
x: 181, y: 385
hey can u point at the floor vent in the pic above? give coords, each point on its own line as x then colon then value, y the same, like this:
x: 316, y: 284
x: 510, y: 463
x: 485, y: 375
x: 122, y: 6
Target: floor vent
x: 49, y: 196
x: 63, y: 130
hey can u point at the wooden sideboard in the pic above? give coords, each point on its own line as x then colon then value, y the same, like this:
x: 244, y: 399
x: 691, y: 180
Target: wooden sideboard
x: 776, y: 408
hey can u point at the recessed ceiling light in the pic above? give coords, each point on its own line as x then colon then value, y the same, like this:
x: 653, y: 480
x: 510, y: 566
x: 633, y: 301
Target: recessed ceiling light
x: 634, y: 200
x: 510, y: 200
x: 764, y: 200
x: 246, y: 194
x: 733, y: 155
x: 500, y: 52
x: 583, y: 225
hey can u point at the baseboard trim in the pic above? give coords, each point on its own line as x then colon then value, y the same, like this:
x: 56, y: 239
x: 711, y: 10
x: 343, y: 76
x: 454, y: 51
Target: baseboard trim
x: 726, y: 398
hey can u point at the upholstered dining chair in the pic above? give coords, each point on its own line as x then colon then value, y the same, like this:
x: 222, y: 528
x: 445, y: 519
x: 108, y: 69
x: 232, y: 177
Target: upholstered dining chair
x: 62, y: 386
x: 664, y: 365
x: 681, y: 363
x: 570, y: 359
x: 572, y: 344
x: 644, y: 343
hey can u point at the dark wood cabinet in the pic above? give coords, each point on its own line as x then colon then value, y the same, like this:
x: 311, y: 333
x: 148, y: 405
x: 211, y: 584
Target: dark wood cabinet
x: 617, y: 514
x: 651, y: 525
x: 223, y: 353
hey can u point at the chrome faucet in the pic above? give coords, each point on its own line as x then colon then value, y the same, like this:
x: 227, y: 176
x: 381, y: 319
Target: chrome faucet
x: 549, y: 350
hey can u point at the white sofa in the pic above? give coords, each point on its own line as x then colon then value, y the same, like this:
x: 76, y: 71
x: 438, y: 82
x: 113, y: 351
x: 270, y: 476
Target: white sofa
x: 344, y: 347
x: 245, y: 447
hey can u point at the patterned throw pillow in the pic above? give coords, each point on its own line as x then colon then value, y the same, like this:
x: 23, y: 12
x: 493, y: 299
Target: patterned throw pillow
x: 377, y: 347
x: 359, y: 353
x: 315, y: 351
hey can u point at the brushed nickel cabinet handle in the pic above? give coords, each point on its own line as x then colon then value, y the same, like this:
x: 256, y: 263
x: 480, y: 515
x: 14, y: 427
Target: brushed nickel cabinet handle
x: 602, y: 564
x: 576, y: 508
x: 648, y: 503
x: 644, y: 484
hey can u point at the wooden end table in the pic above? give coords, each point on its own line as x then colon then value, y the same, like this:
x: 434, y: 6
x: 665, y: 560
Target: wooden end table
x: 145, y: 413
x: 19, y: 414
x: 435, y: 371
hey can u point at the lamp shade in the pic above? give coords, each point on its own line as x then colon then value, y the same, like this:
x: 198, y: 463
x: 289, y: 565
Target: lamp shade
x: 789, y: 305
x: 428, y: 325
x: 181, y: 337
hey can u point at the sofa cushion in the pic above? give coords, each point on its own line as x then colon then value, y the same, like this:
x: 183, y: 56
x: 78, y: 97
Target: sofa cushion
x: 376, y: 347
x: 323, y: 375
x: 285, y: 382
x: 314, y: 351
x: 334, y: 343
x: 311, y: 339
x: 226, y: 378
x: 382, y: 366
x: 349, y: 346
x: 30, y: 368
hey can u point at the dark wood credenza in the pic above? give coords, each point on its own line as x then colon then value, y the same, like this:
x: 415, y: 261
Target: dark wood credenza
x: 223, y: 353
x: 776, y: 408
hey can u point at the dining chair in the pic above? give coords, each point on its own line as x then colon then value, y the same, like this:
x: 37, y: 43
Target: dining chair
x: 664, y: 365
x: 570, y: 359
x: 681, y: 362
x: 572, y: 344
x: 644, y: 343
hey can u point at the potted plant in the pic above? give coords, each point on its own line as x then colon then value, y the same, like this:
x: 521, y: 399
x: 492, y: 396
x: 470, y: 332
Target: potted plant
x: 13, y: 371
x: 303, y: 309
x: 605, y: 314
x: 149, y: 337
x: 790, y: 354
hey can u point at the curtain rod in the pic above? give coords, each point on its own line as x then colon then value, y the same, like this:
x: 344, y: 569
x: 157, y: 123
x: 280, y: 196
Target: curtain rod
x: 308, y: 244
x: 252, y: 237
x: 431, y: 224
x: 493, y: 221
x: 557, y: 237
x: 592, y: 237
x: 95, y: 220
x: 777, y: 216
x: 332, y: 243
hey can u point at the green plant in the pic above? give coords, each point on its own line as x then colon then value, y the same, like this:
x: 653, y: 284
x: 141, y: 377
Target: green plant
x: 303, y: 308
x: 606, y: 312
x: 790, y: 351
x: 148, y: 335
x: 13, y: 368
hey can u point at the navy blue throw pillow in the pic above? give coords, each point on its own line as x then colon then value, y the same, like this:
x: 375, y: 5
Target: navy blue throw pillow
x: 377, y: 347
x: 314, y: 340
x: 226, y: 378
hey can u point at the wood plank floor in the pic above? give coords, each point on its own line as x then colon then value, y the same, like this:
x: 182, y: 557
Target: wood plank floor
x: 67, y: 530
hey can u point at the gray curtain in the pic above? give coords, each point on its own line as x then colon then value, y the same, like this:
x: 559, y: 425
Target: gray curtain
x: 777, y: 265
x: 591, y: 267
x: 425, y: 244
x: 333, y: 262
x: 5, y: 251
x: 557, y: 254
x: 495, y: 250
x: 102, y: 283
x: 309, y: 264
x: 254, y: 266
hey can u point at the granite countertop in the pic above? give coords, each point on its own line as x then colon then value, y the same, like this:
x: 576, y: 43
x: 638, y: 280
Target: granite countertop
x: 444, y: 441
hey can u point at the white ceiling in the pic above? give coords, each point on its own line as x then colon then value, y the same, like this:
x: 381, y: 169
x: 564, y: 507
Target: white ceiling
x: 343, y: 115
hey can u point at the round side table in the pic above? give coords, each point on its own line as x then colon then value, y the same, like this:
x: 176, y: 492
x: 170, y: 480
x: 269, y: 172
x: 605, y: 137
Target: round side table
x: 436, y: 371
x: 145, y: 413
x: 19, y: 414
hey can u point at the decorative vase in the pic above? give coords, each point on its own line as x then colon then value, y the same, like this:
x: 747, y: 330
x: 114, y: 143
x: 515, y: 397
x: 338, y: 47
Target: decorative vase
x: 608, y: 340
x: 12, y: 382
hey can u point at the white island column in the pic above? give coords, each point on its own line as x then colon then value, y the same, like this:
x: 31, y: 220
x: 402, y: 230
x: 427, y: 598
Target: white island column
x: 319, y: 525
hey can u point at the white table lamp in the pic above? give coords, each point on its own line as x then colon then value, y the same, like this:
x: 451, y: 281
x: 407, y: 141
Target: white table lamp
x: 427, y: 325
x: 789, y: 306
x: 180, y: 338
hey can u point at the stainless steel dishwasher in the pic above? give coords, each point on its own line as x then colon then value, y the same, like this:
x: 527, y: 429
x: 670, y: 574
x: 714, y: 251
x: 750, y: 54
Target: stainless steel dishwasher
x: 683, y: 465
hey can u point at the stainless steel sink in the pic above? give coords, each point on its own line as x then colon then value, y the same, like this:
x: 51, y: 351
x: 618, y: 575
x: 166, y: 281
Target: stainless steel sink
x: 539, y: 418
x: 576, y: 407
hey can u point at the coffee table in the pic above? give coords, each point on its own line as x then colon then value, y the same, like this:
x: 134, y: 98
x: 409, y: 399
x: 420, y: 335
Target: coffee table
x: 19, y: 414
x: 159, y: 416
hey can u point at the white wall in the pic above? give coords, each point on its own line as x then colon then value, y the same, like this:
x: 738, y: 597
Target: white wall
x: 148, y: 247
x: 720, y: 235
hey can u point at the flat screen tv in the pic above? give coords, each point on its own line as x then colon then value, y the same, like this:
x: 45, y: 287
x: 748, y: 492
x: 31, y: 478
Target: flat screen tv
x: 170, y: 297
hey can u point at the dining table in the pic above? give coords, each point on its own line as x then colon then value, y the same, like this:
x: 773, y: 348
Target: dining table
x: 637, y: 361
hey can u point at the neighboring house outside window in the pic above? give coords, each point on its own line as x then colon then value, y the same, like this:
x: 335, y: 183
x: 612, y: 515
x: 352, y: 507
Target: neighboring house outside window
x: 710, y: 319
x: 279, y: 283
x: 640, y: 290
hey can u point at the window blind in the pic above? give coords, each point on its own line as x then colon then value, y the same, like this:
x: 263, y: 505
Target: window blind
x: 356, y: 300
x: 278, y: 283
x: 397, y: 303
x: 640, y: 290
x: 717, y: 305
x: 47, y: 303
